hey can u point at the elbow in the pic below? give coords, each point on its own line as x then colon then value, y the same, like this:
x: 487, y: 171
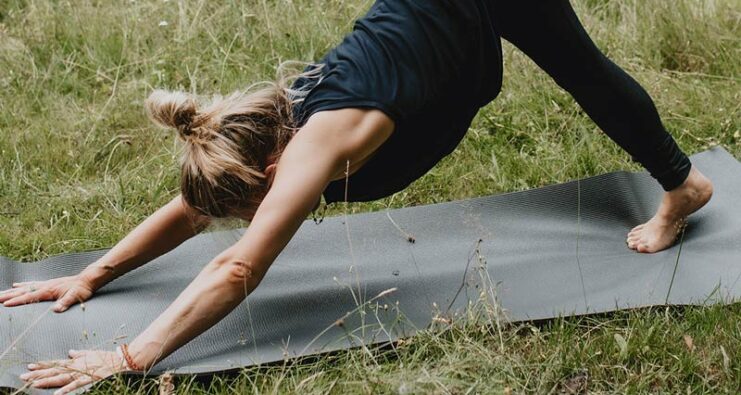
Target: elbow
x: 235, y: 271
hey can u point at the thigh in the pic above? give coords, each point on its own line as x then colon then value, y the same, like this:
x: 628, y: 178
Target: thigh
x: 550, y: 33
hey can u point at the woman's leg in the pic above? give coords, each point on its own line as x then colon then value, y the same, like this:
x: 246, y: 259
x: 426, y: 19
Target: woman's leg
x: 549, y: 32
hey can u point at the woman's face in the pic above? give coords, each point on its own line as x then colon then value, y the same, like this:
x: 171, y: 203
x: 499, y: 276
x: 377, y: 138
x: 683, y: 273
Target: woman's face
x: 247, y: 213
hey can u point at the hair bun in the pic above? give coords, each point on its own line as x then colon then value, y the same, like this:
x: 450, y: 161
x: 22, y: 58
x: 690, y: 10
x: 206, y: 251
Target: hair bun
x: 172, y: 110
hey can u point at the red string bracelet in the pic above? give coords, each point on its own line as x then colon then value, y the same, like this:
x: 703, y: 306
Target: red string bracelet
x: 127, y: 357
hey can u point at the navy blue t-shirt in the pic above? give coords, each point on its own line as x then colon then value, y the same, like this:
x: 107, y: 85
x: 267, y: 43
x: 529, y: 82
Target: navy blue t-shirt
x: 429, y: 65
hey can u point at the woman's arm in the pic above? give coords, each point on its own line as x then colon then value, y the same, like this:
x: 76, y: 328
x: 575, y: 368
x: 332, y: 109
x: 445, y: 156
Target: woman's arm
x: 162, y: 231
x: 320, y: 152
x: 316, y: 155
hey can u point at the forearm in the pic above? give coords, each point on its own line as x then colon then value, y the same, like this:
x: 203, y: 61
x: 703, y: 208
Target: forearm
x: 221, y: 285
x: 210, y: 297
x: 164, y: 230
x: 231, y: 276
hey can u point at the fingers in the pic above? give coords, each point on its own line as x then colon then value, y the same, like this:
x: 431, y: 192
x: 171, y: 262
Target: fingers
x: 83, y: 368
x: 59, y: 363
x: 43, y: 373
x: 47, y: 369
x: 11, y: 293
x: 33, y: 291
x: 75, y: 384
x: 66, y: 301
x: 27, y: 296
x: 17, y: 289
x: 57, y: 374
x: 69, y: 381
x: 55, y: 380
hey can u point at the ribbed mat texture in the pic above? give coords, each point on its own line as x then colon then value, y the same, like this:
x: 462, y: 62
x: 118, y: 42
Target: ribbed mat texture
x: 542, y: 253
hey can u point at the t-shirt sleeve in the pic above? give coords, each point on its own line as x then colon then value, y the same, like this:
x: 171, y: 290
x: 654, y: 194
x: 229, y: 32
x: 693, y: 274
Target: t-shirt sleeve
x: 350, y: 84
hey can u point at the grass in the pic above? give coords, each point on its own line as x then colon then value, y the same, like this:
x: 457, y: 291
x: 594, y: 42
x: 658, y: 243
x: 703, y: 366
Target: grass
x: 80, y: 166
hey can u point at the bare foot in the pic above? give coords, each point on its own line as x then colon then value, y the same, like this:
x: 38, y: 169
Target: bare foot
x: 661, y: 231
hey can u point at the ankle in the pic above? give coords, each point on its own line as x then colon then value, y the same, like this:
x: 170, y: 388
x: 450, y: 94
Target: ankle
x: 668, y: 217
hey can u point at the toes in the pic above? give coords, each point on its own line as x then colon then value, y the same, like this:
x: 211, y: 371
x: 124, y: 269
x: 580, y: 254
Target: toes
x: 638, y: 228
x: 638, y: 244
x: 636, y: 231
x: 632, y: 241
x: 645, y: 249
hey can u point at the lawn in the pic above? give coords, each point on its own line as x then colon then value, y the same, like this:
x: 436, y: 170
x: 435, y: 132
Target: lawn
x: 80, y: 166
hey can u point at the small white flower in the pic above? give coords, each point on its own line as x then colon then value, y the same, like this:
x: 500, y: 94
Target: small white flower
x: 163, y: 23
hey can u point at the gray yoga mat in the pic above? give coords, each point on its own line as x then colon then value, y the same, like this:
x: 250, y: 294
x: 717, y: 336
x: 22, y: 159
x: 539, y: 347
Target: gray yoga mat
x: 552, y: 251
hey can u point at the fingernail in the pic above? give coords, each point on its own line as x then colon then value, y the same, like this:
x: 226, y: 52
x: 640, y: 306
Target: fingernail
x: 32, y: 366
x: 24, y: 376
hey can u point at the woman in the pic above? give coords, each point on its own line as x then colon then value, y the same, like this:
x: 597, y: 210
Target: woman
x: 412, y: 74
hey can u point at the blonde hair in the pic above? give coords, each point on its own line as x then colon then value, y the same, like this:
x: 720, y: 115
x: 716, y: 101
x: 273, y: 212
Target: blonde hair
x: 228, y: 143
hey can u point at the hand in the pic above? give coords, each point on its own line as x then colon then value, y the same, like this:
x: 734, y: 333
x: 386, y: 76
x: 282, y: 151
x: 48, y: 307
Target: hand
x: 65, y: 290
x: 83, y: 368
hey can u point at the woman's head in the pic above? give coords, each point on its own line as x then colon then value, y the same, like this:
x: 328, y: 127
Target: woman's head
x: 228, y: 145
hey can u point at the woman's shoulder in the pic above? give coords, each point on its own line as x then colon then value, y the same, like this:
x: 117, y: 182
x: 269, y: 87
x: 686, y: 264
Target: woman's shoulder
x: 351, y: 134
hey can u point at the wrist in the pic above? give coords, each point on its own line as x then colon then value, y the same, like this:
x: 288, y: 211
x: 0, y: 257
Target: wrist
x: 97, y: 275
x: 122, y: 364
x: 128, y: 362
x: 138, y: 358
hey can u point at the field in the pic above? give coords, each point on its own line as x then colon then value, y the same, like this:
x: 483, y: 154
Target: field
x: 80, y: 165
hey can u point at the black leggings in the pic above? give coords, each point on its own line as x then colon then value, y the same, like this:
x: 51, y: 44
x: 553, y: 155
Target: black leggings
x: 549, y: 32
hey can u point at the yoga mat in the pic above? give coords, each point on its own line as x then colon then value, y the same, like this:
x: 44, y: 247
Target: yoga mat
x: 547, y: 252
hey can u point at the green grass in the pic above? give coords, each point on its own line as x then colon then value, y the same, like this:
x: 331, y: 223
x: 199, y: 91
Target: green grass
x: 80, y: 166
